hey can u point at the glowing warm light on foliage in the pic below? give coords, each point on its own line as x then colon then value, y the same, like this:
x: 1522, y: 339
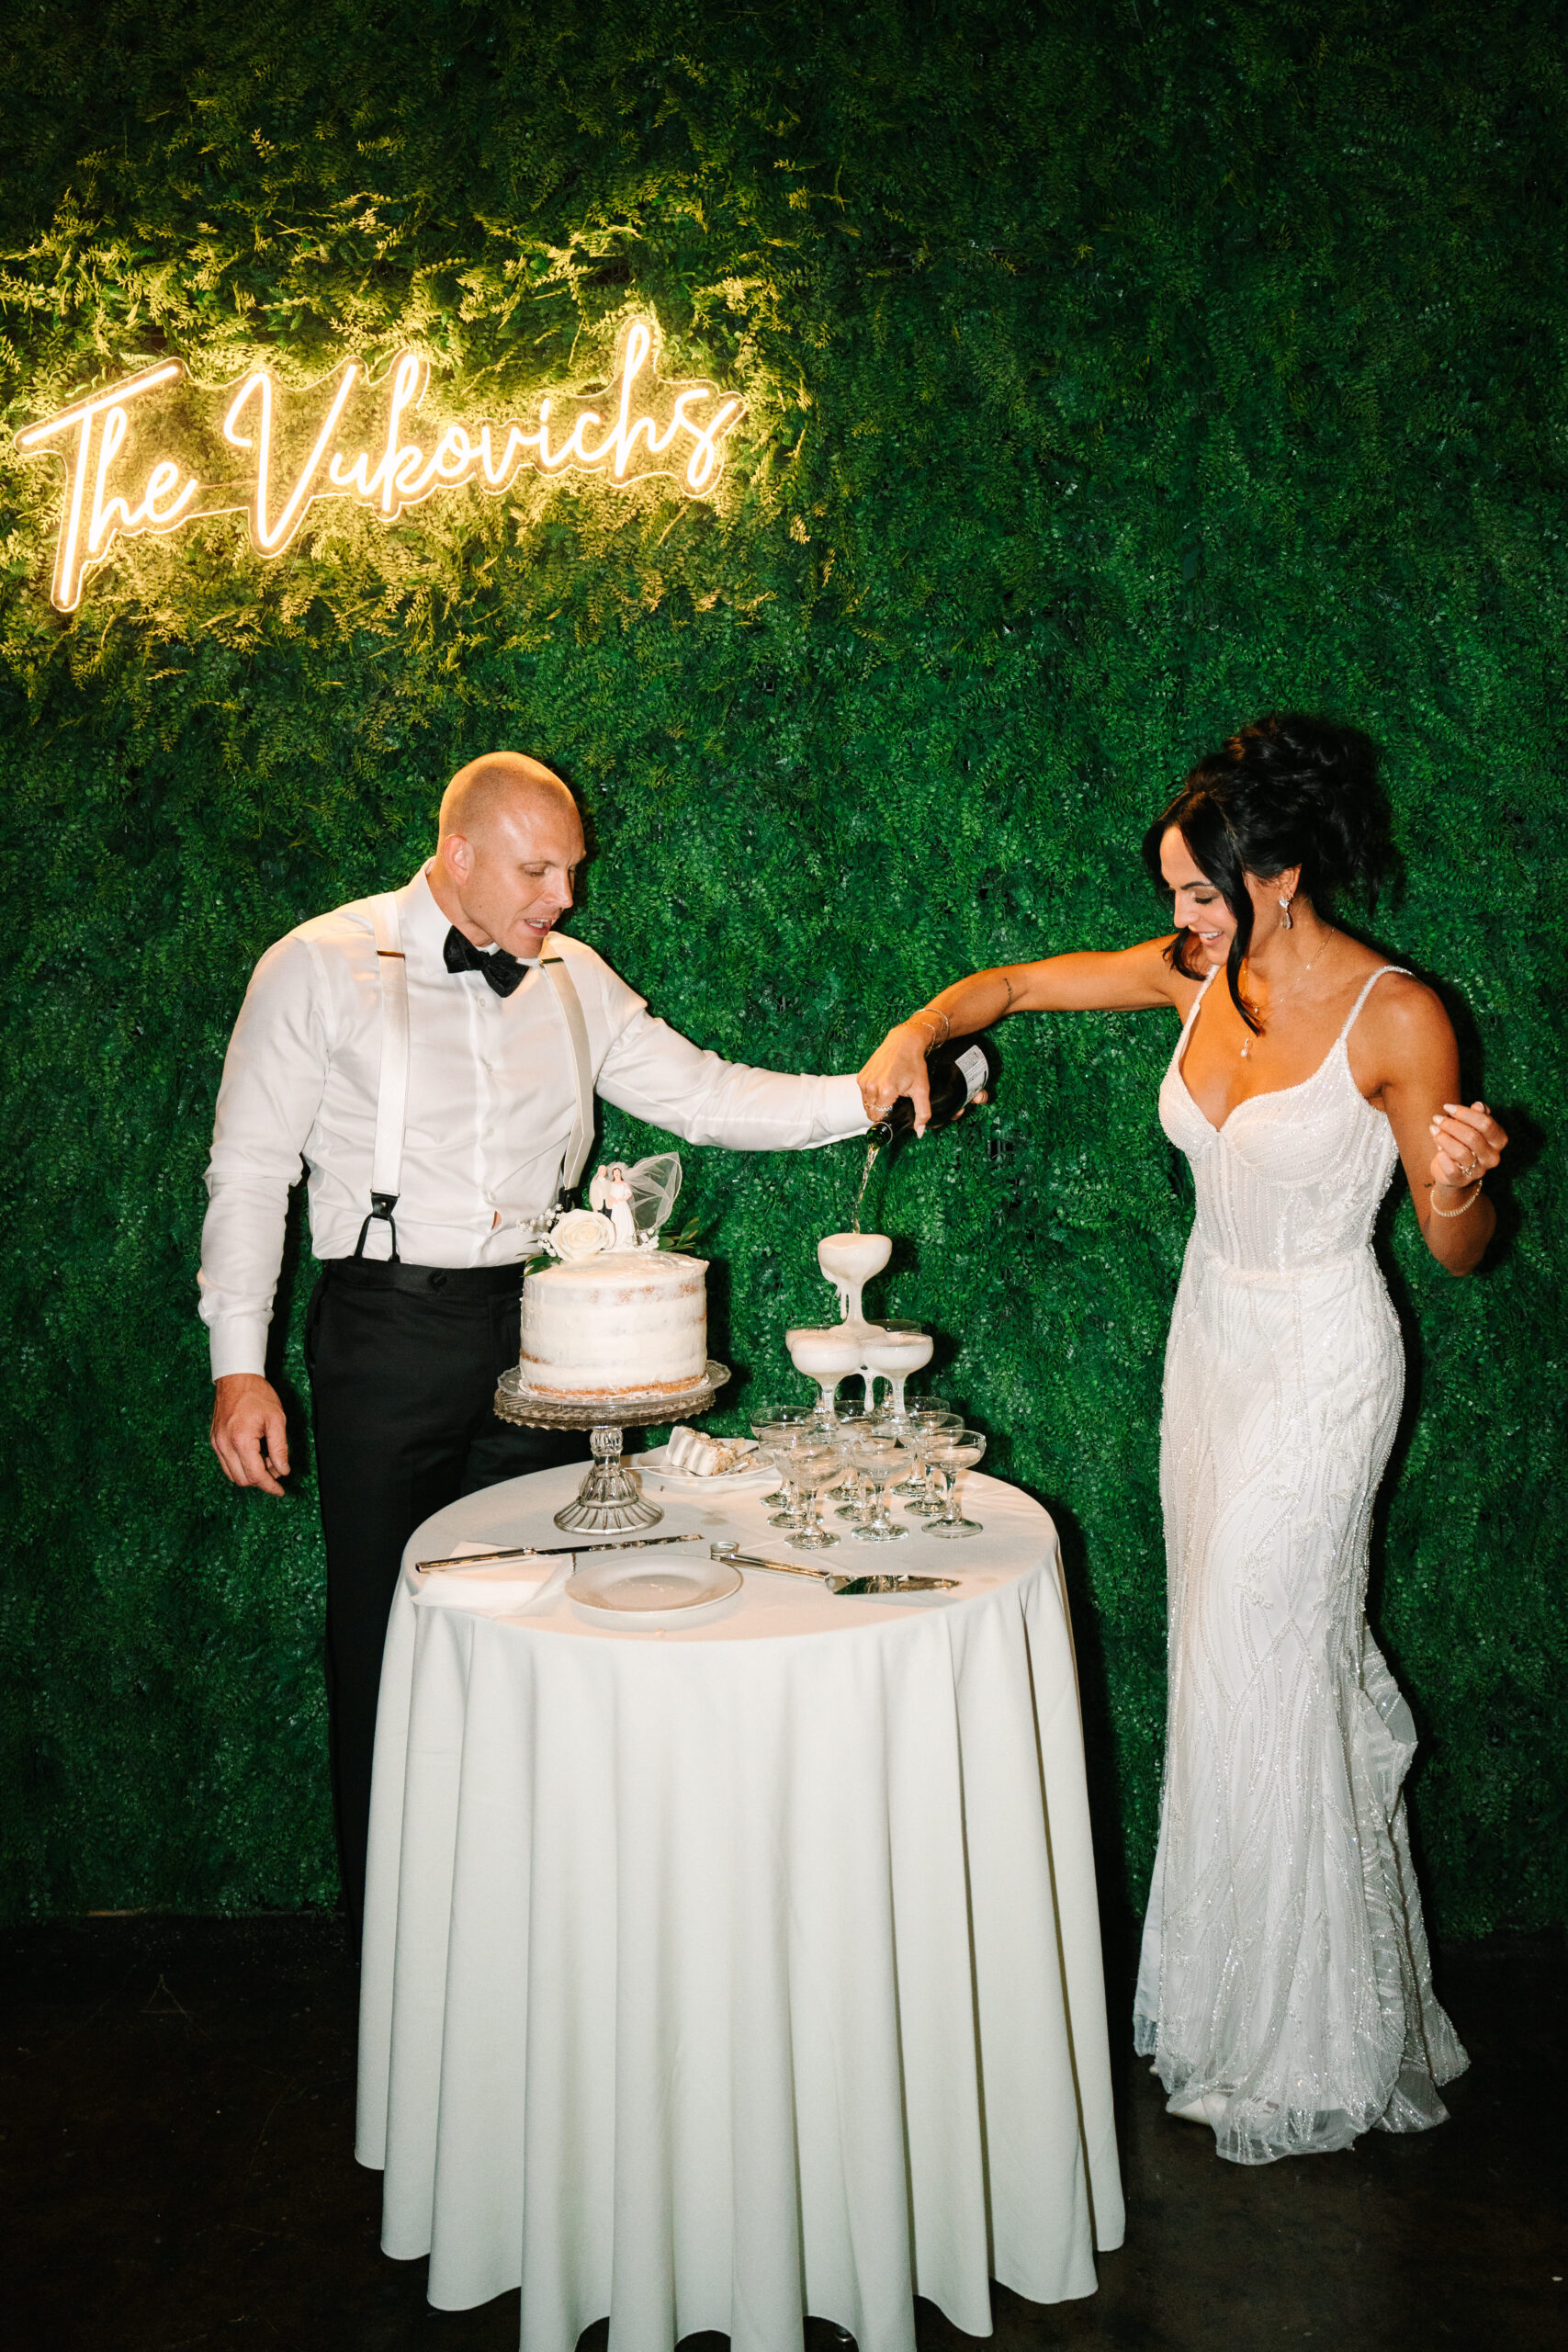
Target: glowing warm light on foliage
x: 145, y: 456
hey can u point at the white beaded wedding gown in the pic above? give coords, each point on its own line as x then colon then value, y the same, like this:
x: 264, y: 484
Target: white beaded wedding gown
x: 1284, y: 1980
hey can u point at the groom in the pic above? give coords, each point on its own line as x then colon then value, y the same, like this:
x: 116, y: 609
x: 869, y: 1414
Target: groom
x: 432, y: 1057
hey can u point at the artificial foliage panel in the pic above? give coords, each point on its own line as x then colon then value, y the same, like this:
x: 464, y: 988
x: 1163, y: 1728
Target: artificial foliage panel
x: 1113, y: 372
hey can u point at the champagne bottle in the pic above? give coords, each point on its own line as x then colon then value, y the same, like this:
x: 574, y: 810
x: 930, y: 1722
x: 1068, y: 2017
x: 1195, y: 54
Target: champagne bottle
x: 957, y: 1070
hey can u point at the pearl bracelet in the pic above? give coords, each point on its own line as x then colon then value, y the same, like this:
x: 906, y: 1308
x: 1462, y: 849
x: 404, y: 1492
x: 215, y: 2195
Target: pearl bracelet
x: 1475, y: 1195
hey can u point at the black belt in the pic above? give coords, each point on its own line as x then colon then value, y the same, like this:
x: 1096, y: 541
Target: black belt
x: 454, y: 1281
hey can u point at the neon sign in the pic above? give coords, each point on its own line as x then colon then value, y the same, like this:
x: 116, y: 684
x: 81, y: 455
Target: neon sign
x: 154, y: 452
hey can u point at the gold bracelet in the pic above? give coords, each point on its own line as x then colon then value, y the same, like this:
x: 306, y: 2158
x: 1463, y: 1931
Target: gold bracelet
x: 941, y: 1035
x: 1475, y: 1195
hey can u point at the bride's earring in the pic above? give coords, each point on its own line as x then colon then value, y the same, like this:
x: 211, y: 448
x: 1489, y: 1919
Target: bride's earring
x: 1285, y: 922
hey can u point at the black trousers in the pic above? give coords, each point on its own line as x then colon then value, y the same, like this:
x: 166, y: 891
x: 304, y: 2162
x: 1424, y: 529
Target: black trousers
x: 404, y: 1363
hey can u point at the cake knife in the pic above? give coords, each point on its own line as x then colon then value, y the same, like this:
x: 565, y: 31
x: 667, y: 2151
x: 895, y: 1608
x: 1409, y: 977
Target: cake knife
x: 850, y: 1587
x: 552, y: 1551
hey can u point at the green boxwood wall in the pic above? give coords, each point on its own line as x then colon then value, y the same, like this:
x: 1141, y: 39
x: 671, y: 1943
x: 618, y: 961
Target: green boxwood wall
x: 1115, y: 371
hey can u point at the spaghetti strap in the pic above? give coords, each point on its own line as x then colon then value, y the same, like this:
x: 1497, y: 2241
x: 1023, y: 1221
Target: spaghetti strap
x: 1197, y: 1000
x: 1366, y: 992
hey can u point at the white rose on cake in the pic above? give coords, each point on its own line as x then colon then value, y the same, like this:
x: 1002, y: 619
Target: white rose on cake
x: 581, y: 1233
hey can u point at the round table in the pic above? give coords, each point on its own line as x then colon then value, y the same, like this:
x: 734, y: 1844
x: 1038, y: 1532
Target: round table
x: 718, y: 1975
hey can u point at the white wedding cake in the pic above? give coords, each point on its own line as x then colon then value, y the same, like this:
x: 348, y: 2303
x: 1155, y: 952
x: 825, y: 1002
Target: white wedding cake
x: 627, y: 1323
x: 617, y: 1317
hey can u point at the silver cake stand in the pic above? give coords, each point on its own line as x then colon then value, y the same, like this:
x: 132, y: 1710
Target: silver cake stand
x: 609, y: 1501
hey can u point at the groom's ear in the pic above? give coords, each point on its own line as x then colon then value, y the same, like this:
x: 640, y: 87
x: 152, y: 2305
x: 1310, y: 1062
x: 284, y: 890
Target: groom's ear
x: 454, y: 852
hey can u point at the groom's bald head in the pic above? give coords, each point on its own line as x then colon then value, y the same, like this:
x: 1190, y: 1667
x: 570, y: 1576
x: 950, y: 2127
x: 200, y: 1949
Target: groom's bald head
x: 500, y: 784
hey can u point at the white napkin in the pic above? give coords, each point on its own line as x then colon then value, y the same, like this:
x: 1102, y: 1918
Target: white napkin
x: 495, y: 1589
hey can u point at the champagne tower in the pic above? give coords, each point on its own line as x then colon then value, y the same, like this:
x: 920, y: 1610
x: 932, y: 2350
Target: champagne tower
x: 853, y: 1346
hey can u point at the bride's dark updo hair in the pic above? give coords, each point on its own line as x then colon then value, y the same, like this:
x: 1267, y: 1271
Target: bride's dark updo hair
x: 1287, y: 790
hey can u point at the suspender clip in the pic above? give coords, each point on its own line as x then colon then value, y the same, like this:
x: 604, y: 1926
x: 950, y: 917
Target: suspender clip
x: 381, y: 1206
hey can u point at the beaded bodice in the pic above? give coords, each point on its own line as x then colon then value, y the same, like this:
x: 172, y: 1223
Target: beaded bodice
x: 1294, y: 1179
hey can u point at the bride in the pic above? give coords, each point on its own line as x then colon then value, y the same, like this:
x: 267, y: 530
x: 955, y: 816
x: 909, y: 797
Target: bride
x: 1284, y: 1988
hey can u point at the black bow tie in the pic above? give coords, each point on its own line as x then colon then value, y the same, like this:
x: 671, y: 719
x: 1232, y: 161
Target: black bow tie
x: 503, y: 972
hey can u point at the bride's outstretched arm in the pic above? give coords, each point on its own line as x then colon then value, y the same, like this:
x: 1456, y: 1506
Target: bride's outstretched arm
x: 1129, y: 981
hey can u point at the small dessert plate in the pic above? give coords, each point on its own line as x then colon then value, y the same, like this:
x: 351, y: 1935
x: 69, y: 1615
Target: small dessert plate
x: 634, y: 1594
x: 723, y: 1482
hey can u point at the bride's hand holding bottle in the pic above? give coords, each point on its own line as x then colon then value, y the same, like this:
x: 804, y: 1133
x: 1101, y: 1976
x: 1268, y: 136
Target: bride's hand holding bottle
x: 898, y: 1068
x: 924, y: 1077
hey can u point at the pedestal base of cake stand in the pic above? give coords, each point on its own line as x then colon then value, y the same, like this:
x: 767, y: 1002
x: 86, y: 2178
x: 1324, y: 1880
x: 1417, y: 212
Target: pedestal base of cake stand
x: 609, y: 1501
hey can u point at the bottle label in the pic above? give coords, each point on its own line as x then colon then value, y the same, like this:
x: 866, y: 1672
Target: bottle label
x: 971, y: 1067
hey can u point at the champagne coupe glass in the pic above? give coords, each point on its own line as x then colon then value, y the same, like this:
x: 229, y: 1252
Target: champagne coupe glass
x: 816, y: 1462
x: 774, y: 1417
x: 849, y: 1261
x: 781, y: 1439
x: 926, y: 1422
x: 888, y: 1327
x: 858, y: 1508
x: 953, y: 1450
x: 896, y: 1354
x: 826, y: 1355
x: 882, y: 1456
x: 850, y: 1419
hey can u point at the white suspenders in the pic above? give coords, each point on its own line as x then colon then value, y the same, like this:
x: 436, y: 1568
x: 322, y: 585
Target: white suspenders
x: 393, y: 1091
x: 582, y: 1140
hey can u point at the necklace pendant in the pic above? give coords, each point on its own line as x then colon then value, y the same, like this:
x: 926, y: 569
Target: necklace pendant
x: 1246, y: 1053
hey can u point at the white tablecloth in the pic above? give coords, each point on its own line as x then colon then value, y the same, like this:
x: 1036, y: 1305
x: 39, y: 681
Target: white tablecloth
x: 720, y: 1975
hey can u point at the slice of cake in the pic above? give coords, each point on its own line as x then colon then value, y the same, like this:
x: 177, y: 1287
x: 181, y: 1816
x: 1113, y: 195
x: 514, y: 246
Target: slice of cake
x: 707, y: 1457
x: 625, y: 1323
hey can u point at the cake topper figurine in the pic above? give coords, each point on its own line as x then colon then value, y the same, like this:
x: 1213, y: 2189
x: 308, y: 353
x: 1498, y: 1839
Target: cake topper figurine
x: 616, y: 1202
x: 628, y: 1208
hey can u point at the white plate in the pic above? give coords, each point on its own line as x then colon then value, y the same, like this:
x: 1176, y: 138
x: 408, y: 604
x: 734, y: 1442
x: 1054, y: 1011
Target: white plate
x: 723, y: 1482
x: 619, y: 1591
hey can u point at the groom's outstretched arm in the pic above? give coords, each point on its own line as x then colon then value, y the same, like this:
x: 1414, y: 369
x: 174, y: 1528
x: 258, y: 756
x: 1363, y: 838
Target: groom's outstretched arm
x: 658, y: 1075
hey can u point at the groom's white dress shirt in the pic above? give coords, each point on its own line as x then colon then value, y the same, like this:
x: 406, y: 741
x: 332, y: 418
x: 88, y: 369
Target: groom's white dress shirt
x: 489, y: 1106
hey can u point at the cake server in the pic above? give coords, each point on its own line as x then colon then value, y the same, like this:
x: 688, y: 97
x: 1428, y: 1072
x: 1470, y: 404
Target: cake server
x: 848, y: 1587
x: 553, y: 1550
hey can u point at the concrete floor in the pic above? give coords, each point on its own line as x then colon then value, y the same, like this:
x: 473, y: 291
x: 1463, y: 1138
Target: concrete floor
x: 175, y: 2176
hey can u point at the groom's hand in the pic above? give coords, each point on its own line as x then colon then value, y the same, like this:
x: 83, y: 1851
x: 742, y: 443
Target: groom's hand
x: 250, y: 1435
x: 898, y: 1067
